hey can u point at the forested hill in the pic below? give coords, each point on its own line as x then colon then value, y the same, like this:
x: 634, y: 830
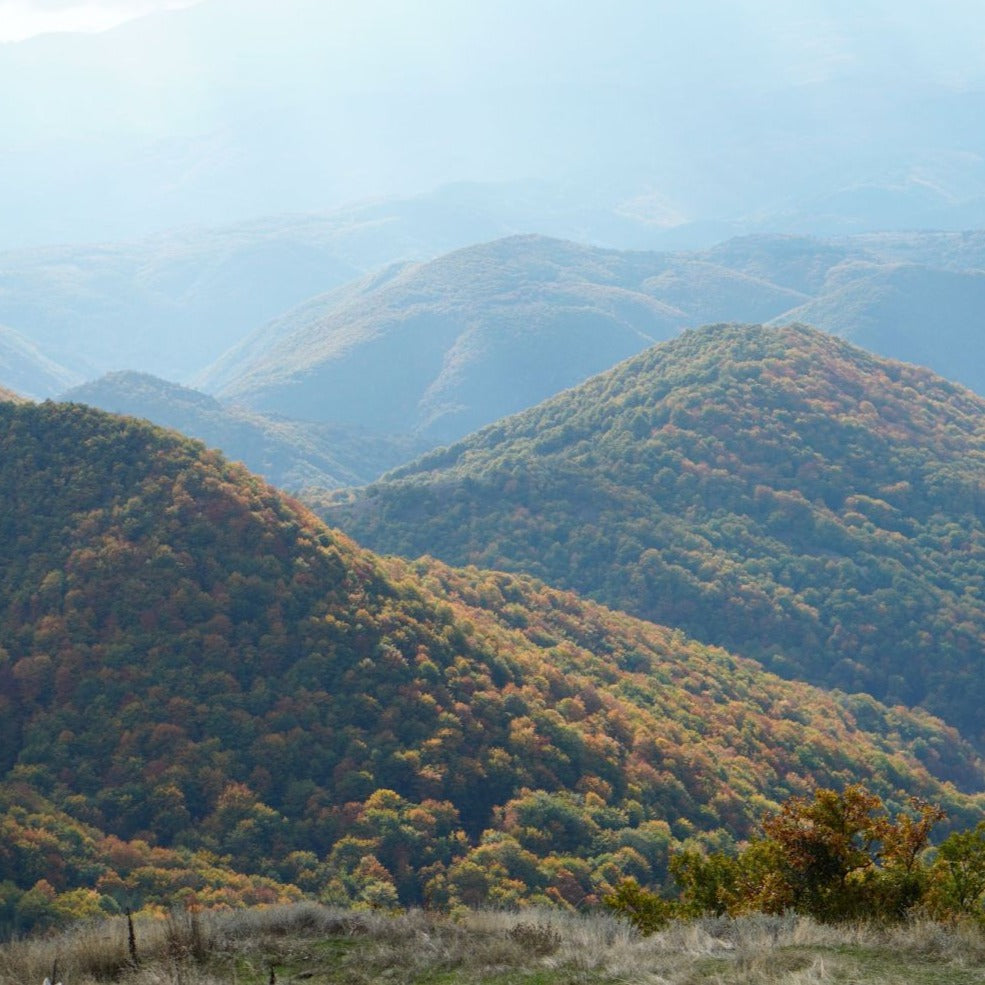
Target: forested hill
x: 288, y: 453
x: 198, y: 679
x: 443, y: 347
x: 446, y: 346
x: 774, y: 490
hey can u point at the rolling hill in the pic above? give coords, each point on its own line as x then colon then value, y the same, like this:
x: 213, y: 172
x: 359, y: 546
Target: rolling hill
x: 292, y: 455
x: 201, y: 686
x: 172, y: 303
x: 773, y: 490
x: 441, y: 348
x: 441, y: 344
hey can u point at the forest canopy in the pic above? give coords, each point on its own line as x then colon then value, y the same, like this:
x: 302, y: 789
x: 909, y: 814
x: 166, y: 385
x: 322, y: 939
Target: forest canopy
x: 207, y: 692
x: 774, y: 491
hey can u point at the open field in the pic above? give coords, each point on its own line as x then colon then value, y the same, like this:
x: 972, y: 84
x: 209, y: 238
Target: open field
x: 323, y: 946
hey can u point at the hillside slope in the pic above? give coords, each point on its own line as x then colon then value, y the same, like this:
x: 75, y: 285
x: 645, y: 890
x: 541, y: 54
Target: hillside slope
x: 290, y: 454
x: 913, y: 313
x: 444, y: 347
x: 26, y: 369
x: 172, y: 303
x: 482, y: 332
x: 191, y: 663
x: 777, y: 491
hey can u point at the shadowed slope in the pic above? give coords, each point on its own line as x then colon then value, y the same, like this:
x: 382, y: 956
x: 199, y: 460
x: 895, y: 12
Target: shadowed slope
x: 26, y: 369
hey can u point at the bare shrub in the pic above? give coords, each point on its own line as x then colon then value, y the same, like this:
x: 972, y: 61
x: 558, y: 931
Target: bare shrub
x: 536, y: 939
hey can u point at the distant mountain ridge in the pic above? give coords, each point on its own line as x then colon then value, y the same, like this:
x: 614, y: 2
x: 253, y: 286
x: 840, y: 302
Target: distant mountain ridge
x: 290, y: 454
x: 774, y: 490
x: 104, y: 307
x: 870, y: 127
x: 444, y: 347
x: 418, y: 354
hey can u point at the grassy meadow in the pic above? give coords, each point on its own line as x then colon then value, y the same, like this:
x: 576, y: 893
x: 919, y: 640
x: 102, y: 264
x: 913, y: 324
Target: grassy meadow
x: 324, y: 946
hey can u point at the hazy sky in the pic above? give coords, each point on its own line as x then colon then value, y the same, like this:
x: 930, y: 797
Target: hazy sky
x: 21, y: 19
x: 235, y: 108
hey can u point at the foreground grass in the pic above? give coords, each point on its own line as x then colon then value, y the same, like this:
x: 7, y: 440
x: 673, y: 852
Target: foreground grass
x: 306, y: 943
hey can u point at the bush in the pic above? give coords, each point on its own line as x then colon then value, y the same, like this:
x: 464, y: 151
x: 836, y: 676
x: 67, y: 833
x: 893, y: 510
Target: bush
x: 646, y: 911
x: 838, y: 856
x: 957, y: 877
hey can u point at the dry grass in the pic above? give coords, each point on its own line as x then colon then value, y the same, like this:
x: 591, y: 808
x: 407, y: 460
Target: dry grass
x: 306, y: 943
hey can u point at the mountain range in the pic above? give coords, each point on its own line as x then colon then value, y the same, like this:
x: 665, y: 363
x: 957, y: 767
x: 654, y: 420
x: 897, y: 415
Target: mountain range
x: 238, y: 303
x: 362, y: 379
x: 197, y: 677
x: 103, y: 307
x: 617, y: 336
x: 441, y: 348
x: 773, y: 490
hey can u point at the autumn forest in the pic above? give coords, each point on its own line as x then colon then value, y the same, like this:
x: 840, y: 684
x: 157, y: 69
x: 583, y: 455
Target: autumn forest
x: 210, y: 697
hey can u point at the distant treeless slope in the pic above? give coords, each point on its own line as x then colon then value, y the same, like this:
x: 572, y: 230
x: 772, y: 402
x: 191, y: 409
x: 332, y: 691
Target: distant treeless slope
x: 774, y: 490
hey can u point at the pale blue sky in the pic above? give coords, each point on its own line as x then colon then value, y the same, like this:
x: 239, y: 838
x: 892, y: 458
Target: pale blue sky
x: 948, y: 30
x: 22, y: 19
